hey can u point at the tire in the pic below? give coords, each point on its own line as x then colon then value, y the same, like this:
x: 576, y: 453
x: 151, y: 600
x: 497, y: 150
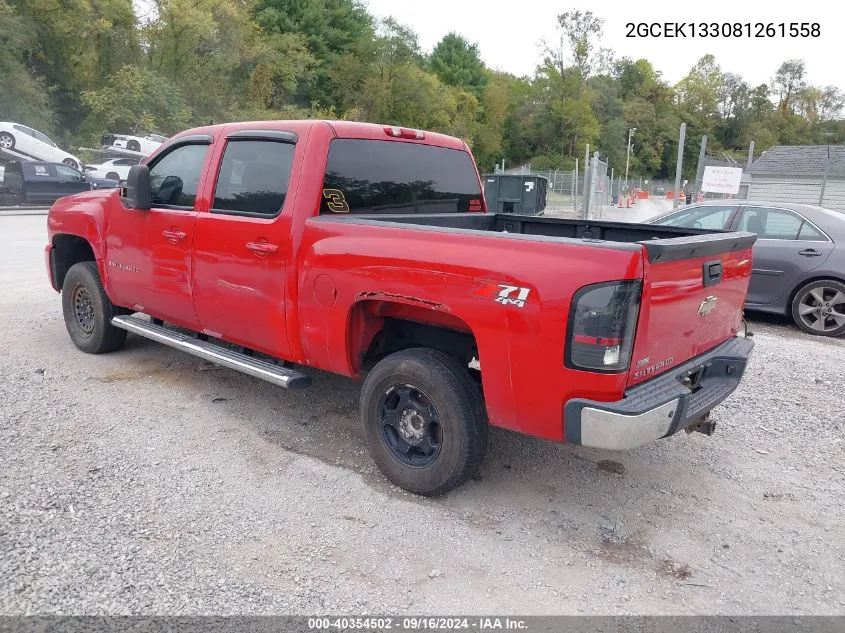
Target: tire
x: 420, y: 399
x: 819, y: 308
x: 88, y: 311
x: 112, y: 175
x: 7, y: 141
x: 70, y: 163
x: 133, y: 146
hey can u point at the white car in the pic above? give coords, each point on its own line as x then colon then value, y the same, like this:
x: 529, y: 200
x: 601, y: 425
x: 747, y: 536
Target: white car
x: 112, y: 169
x: 21, y: 139
x: 145, y: 145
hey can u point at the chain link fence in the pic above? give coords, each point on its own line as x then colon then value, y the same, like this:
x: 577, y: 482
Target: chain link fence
x: 565, y: 191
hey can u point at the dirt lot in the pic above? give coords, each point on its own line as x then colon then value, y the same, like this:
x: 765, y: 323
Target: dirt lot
x: 145, y: 482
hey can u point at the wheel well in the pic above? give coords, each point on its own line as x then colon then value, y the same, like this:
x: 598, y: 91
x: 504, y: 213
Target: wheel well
x: 379, y: 328
x: 69, y: 250
x: 795, y: 290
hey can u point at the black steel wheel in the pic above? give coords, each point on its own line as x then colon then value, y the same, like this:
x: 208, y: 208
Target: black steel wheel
x: 819, y: 308
x: 424, y: 421
x: 410, y: 426
x: 88, y: 311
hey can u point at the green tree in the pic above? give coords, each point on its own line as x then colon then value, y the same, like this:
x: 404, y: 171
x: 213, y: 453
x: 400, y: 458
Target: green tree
x: 24, y: 96
x: 136, y: 99
x: 456, y: 62
x: 332, y: 29
x: 73, y: 43
x: 788, y: 82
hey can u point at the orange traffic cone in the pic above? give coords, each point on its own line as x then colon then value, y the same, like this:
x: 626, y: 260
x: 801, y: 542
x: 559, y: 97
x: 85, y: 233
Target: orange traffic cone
x: 628, y: 202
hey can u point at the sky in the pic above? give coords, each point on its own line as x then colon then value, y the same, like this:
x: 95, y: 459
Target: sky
x: 509, y: 32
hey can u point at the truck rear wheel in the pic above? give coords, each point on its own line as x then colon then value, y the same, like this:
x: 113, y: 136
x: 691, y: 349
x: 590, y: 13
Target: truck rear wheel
x: 424, y: 421
x: 88, y: 311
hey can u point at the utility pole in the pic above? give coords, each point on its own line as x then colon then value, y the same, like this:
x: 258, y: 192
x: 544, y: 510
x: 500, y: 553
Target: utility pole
x: 679, y: 165
x: 631, y: 131
x: 699, y: 172
x: 611, y: 185
x: 750, y: 154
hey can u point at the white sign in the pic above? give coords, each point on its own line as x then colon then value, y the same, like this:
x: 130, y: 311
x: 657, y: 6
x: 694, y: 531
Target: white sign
x: 721, y: 180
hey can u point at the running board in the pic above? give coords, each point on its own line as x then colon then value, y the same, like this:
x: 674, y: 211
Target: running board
x: 276, y: 374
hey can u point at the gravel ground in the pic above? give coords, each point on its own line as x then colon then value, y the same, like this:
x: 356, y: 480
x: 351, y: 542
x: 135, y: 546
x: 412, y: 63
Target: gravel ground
x: 145, y: 482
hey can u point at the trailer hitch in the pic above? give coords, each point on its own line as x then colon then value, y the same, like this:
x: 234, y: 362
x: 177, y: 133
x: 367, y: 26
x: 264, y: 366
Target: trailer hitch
x: 702, y: 425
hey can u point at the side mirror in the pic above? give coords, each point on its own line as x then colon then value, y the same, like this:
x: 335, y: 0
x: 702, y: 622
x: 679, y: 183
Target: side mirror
x: 137, y: 192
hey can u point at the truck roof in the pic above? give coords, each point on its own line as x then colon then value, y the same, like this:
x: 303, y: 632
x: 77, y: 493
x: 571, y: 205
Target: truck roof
x: 341, y: 129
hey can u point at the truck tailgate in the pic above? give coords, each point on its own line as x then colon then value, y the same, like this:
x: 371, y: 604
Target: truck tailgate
x: 693, y: 294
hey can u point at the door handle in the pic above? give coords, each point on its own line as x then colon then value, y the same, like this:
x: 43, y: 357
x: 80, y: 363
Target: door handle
x: 174, y: 236
x: 810, y: 252
x: 262, y: 248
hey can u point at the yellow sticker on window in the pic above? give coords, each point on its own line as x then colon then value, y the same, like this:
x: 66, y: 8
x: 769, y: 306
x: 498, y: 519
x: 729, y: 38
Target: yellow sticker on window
x: 335, y: 201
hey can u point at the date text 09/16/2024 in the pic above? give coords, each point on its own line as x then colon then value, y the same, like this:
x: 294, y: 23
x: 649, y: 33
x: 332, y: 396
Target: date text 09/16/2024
x: 723, y: 29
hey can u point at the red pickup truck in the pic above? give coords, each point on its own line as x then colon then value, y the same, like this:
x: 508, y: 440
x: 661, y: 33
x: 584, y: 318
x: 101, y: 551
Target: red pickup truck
x: 368, y: 251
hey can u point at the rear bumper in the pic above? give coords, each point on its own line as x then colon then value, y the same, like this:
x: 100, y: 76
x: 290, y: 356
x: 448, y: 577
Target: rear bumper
x: 661, y: 406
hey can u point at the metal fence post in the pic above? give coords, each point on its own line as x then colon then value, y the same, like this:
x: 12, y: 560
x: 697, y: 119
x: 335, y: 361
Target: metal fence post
x: 586, y: 166
x: 824, y: 181
x: 699, y: 172
x: 589, y: 185
x: 575, y: 187
x: 679, y: 165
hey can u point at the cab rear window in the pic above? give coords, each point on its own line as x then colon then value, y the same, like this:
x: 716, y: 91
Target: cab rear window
x: 369, y: 176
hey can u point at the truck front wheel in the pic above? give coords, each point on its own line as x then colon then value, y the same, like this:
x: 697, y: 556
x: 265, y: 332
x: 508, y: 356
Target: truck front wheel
x: 424, y: 421
x: 88, y: 311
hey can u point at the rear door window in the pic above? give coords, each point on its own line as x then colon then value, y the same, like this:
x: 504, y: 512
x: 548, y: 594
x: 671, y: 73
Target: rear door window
x: 369, y: 176
x: 770, y: 224
x: 254, y: 178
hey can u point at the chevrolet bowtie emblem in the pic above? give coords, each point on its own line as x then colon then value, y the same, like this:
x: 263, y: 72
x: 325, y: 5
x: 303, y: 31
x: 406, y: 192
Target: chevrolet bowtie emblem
x: 706, y: 306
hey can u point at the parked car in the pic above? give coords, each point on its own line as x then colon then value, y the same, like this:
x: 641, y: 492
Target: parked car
x: 799, y: 256
x: 111, y: 169
x: 367, y: 251
x: 144, y: 145
x: 41, y: 182
x: 33, y: 144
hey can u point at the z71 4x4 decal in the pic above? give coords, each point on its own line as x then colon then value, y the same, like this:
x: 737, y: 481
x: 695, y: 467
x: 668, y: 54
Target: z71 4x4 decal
x: 505, y: 294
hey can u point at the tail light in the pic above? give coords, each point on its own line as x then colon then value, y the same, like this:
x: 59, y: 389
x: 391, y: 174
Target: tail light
x: 602, y: 322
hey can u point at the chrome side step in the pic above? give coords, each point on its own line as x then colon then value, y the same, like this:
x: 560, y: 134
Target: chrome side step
x: 278, y: 375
